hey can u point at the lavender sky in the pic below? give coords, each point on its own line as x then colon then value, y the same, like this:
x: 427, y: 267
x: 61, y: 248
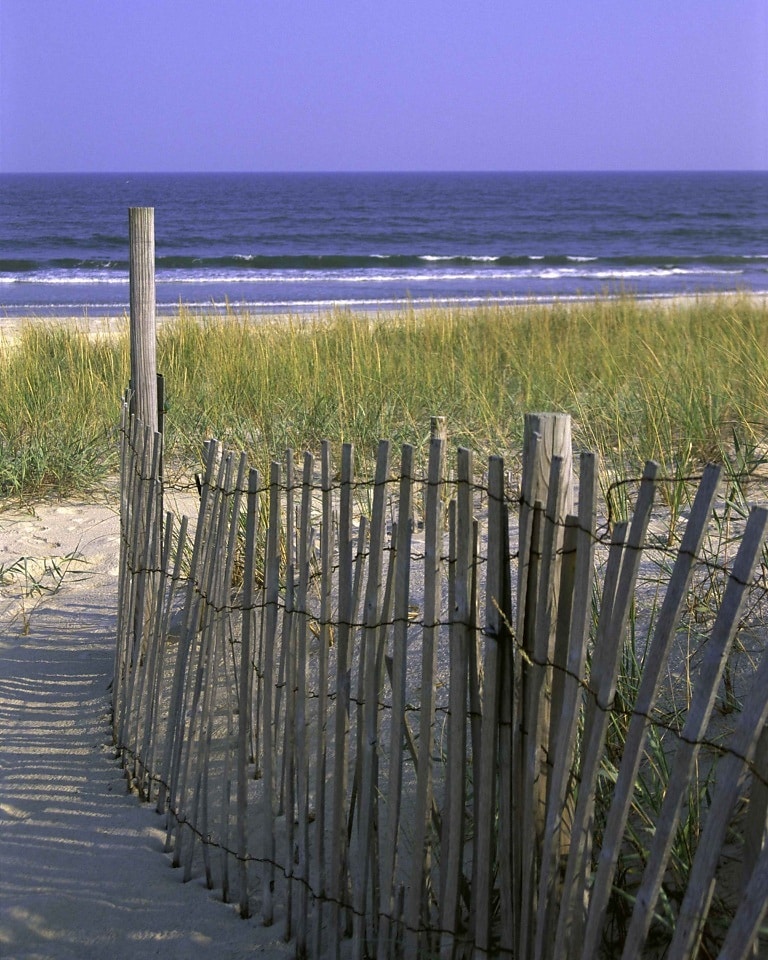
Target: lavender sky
x: 214, y: 85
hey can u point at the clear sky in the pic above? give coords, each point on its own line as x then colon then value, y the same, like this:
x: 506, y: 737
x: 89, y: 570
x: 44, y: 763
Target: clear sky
x: 213, y: 85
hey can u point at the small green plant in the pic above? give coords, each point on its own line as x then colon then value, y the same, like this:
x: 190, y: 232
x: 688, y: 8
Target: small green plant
x: 39, y: 578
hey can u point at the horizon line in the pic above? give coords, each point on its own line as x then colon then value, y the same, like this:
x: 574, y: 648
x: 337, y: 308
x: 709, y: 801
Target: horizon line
x: 387, y: 172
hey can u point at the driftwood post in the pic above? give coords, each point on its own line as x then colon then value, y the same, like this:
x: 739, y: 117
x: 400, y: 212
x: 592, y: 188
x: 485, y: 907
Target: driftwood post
x: 141, y: 239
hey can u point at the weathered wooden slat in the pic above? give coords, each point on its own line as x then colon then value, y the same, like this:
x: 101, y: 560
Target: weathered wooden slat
x: 739, y: 943
x: 602, y: 688
x: 507, y: 761
x: 756, y: 820
x: 127, y: 473
x: 452, y: 846
x: 301, y: 871
x: 268, y: 721
x: 190, y: 618
x: 546, y: 435
x: 134, y: 624
x: 338, y: 840
x: 547, y: 863
x: 200, y: 633
x: 147, y: 595
x: 369, y: 715
x: 738, y: 754
x: 244, y: 705
x: 215, y: 598
x: 486, y: 786
x: 538, y: 692
x: 136, y: 574
x: 226, y: 670
x: 389, y: 859
x: 433, y: 527
x: 288, y: 805
x: 705, y: 690
x: 357, y: 653
x: 324, y: 644
x: 155, y: 657
x: 563, y: 743
x: 177, y: 578
x: 654, y: 663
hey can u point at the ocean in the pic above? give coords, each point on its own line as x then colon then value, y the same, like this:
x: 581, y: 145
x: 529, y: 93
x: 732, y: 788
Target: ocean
x: 305, y: 242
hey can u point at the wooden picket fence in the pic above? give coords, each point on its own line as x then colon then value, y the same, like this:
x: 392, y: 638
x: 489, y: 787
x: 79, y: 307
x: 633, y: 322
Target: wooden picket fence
x: 384, y: 713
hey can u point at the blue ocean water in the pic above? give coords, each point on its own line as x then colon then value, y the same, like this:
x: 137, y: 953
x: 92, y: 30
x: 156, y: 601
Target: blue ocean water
x: 306, y: 241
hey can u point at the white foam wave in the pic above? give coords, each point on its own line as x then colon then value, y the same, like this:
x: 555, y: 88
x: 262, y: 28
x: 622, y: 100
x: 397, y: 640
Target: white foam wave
x: 459, y: 256
x: 485, y: 276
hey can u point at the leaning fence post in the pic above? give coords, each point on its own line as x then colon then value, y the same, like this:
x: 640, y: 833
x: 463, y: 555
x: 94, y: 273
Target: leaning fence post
x: 141, y: 239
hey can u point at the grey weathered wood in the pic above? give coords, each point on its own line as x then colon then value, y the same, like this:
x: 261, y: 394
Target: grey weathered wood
x: 357, y: 653
x: 564, y: 744
x: 301, y: 871
x: 288, y: 805
x: 215, y: 596
x: 127, y: 565
x: 156, y: 648
x: 370, y: 711
x: 602, y: 688
x: 529, y: 764
x: 324, y: 643
x: 509, y: 715
x: 138, y: 611
x: 433, y: 528
x: 146, y: 614
x: 221, y: 666
x: 740, y: 941
x: 731, y: 768
x: 338, y: 840
x: 133, y: 624
x: 486, y: 786
x: 244, y: 711
x: 705, y: 691
x: 475, y: 671
x: 127, y: 455
x: 141, y: 239
x: 389, y: 859
x: 654, y: 664
x: 201, y: 637
x: 452, y: 848
x: 190, y: 615
x: 546, y: 435
x: 268, y: 722
x: 756, y: 821
x: 177, y: 579
x: 537, y: 691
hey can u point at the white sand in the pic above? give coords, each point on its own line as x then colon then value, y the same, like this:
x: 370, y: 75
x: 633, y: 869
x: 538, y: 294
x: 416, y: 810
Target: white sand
x: 82, y: 872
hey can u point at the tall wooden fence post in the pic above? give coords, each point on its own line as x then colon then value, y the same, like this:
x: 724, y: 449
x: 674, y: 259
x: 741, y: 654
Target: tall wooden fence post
x: 141, y: 238
x: 547, y: 487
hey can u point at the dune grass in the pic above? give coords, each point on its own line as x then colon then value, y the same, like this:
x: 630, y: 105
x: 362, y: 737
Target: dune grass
x: 680, y: 382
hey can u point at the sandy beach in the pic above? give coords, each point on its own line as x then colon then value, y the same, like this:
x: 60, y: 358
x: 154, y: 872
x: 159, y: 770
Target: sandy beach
x: 118, y: 323
x: 82, y: 872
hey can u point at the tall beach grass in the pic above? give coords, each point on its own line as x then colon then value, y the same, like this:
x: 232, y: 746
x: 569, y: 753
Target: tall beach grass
x: 679, y: 381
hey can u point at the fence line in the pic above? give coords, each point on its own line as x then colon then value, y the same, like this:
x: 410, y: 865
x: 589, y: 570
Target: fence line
x: 357, y: 729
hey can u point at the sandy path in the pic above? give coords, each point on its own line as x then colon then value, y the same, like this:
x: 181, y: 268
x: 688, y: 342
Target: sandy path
x: 82, y: 873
